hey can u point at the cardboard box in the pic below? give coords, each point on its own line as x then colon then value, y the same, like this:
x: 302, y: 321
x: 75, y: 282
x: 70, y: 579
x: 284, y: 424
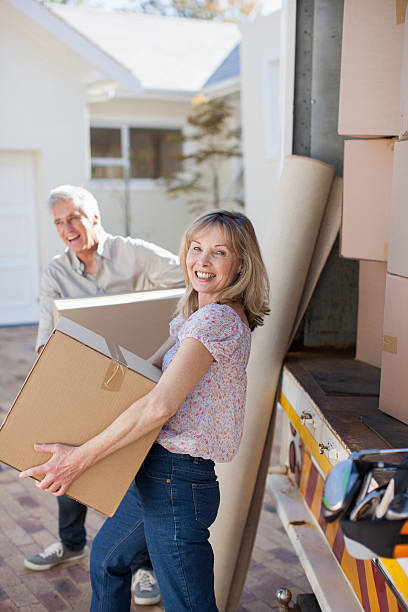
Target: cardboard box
x: 394, y: 378
x: 137, y: 321
x: 371, y: 61
x: 371, y: 296
x: 79, y: 384
x: 398, y: 248
x: 403, y: 129
x: 366, y: 198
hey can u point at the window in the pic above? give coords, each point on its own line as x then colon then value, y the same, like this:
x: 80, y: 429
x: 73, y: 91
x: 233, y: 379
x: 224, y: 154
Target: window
x: 143, y: 153
x: 106, y: 149
x: 271, y: 107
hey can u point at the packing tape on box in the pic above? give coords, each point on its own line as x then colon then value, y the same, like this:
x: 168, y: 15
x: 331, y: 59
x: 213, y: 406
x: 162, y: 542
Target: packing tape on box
x: 390, y: 344
x: 385, y: 251
x: 391, y: 141
x: 400, y: 10
x: 115, y: 374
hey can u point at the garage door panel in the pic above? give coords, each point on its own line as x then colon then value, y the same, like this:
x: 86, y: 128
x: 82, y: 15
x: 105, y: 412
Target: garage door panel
x: 12, y: 185
x: 15, y: 285
x: 15, y: 240
x: 19, y: 259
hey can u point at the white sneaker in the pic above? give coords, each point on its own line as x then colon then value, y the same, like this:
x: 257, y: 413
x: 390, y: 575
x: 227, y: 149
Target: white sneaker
x: 145, y: 587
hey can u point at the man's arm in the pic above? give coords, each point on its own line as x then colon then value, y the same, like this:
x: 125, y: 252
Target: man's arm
x: 161, y: 267
x: 48, y: 293
x: 157, y: 358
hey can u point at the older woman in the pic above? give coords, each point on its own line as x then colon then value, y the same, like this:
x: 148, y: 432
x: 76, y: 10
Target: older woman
x: 200, y: 402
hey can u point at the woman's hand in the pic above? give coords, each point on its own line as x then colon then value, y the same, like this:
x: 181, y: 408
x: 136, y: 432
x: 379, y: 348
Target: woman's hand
x: 64, y: 465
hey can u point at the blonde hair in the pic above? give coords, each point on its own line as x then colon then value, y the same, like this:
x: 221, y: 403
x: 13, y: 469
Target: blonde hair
x: 251, y: 285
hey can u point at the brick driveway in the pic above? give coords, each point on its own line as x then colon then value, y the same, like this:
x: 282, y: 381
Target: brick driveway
x: 28, y: 524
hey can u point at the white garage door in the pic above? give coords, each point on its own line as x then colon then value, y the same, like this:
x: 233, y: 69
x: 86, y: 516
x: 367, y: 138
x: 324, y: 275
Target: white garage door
x: 19, y: 261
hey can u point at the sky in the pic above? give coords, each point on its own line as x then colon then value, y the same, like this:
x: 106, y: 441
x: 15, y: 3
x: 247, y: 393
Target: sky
x: 270, y: 6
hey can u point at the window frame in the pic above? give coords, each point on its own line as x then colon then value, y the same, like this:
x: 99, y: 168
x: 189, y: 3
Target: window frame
x: 271, y: 106
x: 146, y: 184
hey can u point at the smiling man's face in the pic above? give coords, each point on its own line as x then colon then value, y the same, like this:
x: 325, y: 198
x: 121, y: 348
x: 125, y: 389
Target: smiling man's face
x: 77, y: 231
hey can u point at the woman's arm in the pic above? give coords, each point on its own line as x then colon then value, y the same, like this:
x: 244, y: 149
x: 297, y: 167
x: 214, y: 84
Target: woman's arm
x: 149, y: 412
x: 157, y: 358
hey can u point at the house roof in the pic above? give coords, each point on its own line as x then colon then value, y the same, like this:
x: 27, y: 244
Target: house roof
x: 226, y: 78
x: 165, y: 53
x: 228, y: 69
x: 80, y: 44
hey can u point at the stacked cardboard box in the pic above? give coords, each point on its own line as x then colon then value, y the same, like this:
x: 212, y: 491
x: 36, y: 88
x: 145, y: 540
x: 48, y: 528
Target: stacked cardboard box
x: 394, y: 379
x: 398, y: 248
x: 79, y: 384
x: 373, y: 104
x: 371, y: 294
x: 371, y: 68
x: 366, y: 198
x: 403, y: 126
x: 91, y: 369
x: 364, y: 234
x: 138, y: 321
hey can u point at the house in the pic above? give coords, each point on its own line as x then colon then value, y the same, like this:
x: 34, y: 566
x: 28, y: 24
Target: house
x: 90, y: 98
x: 172, y: 58
x: 267, y: 83
x: 258, y: 77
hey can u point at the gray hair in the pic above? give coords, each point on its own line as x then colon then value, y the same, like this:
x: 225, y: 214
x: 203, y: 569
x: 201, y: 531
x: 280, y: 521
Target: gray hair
x: 82, y: 198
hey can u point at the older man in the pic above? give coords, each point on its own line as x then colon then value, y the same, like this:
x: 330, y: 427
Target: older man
x: 95, y: 263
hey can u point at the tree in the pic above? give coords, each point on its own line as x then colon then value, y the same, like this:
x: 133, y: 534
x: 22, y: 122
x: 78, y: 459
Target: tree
x: 214, y: 143
x: 224, y: 10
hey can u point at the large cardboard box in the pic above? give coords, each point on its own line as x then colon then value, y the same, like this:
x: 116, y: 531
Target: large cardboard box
x: 371, y: 296
x: 137, y: 321
x: 79, y: 384
x: 394, y: 378
x: 403, y: 130
x: 398, y: 237
x: 371, y: 60
x: 366, y: 198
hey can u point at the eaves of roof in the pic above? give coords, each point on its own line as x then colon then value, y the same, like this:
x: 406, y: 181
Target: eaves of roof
x: 170, y: 54
x: 78, y: 43
x: 164, y: 95
x: 222, y: 88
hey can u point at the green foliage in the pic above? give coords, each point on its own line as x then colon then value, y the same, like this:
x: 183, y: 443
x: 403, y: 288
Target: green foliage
x: 214, y: 143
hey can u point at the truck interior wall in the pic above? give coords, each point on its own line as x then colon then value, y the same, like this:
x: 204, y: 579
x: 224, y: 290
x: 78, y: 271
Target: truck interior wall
x: 330, y: 321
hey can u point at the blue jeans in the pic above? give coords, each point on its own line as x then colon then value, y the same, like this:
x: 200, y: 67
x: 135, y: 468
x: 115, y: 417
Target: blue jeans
x: 71, y: 523
x: 170, y: 506
x: 72, y: 533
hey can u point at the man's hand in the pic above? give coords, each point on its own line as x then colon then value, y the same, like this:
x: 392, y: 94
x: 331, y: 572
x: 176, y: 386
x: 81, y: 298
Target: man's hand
x: 60, y: 470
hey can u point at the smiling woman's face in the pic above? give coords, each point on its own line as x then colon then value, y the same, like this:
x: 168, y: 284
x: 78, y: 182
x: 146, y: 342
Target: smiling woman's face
x: 211, y: 264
